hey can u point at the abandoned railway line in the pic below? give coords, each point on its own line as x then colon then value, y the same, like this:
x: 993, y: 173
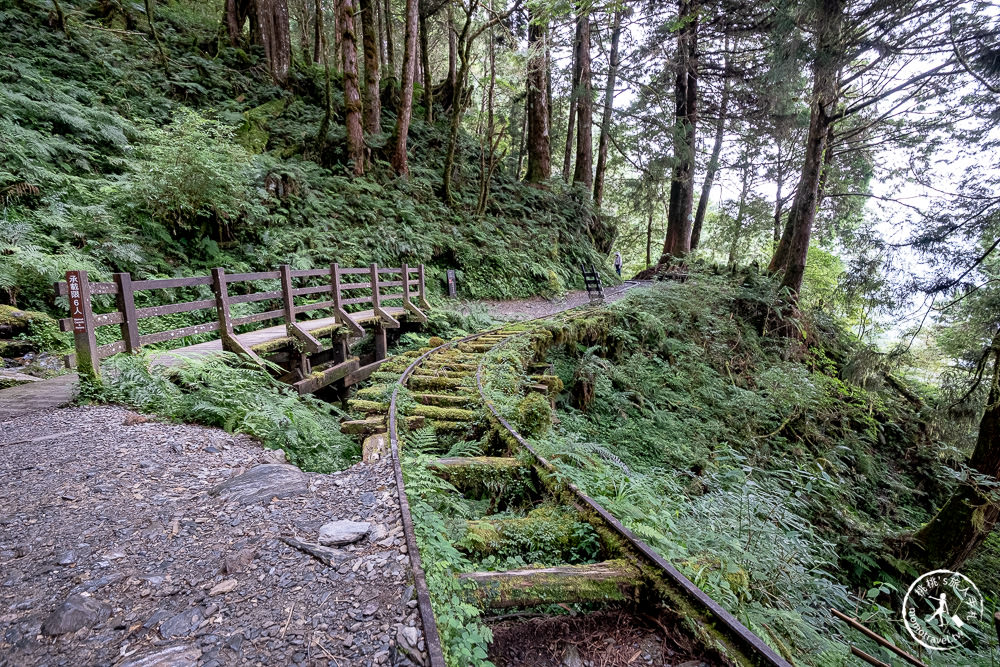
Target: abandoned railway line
x: 595, y: 578
x: 624, y: 575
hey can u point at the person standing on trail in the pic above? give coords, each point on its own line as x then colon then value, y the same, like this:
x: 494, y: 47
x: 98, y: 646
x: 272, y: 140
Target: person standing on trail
x: 618, y: 264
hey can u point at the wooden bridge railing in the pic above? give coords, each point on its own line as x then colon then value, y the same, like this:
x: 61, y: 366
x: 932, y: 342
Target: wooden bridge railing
x: 362, y: 286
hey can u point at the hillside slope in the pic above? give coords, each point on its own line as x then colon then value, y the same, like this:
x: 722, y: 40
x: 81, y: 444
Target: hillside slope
x: 116, y: 161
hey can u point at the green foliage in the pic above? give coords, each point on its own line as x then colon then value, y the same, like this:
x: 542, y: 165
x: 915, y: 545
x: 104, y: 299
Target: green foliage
x: 534, y: 417
x: 464, y: 637
x: 753, y: 463
x: 222, y: 391
x: 113, y: 162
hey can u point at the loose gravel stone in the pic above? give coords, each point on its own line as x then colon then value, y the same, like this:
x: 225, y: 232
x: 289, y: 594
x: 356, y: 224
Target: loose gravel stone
x: 180, y: 559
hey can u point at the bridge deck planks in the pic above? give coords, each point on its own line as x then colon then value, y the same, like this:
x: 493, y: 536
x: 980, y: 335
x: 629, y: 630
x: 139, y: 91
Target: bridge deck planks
x: 252, y: 338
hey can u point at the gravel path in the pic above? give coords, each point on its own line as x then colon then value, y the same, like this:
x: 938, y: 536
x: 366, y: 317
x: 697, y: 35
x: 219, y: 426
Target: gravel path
x: 125, y: 541
x: 529, y: 309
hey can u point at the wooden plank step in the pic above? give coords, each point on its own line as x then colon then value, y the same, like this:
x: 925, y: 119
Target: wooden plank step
x: 450, y: 427
x: 607, y: 581
x: 364, y: 426
x: 325, y: 375
x: 475, y: 347
x: 432, y: 382
x: 449, y: 365
x: 444, y: 400
x: 364, y: 372
x: 442, y: 414
x: 368, y: 407
x: 486, y: 461
x: 441, y: 373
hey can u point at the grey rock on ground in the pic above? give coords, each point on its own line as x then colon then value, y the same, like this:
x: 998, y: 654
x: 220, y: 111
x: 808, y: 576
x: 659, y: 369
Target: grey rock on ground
x: 339, y: 533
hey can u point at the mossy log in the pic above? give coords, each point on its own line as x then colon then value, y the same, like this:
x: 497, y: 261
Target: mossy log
x: 553, y: 382
x: 364, y: 426
x: 551, y: 530
x: 443, y: 414
x: 449, y: 365
x: 368, y: 407
x: 432, y: 382
x: 444, y: 400
x: 450, y: 427
x: 608, y: 581
x: 476, y: 347
x: 494, y: 462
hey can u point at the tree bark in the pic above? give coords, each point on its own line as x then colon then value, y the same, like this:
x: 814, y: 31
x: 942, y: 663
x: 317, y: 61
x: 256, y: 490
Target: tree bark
x: 779, y: 202
x: 609, y: 102
x: 793, y: 246
x: 352, y: 89
x: 571, y: 122
x: 318, y: 33
x: 734, y: 246
x: 373, y: 101
x: 538, y: 145
x: 390, y: 49
x: 452, y: 50
x: 966, y: 520
x: 583, y: 172
x: 713, y: 164
x: 679, y: 216
x: 399, y: 162
x: 268, y: 27
x: 425, y: 62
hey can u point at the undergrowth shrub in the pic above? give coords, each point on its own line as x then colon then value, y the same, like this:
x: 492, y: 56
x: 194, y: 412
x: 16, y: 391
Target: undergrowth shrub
x: 223, y: 391
x: 755, y: 464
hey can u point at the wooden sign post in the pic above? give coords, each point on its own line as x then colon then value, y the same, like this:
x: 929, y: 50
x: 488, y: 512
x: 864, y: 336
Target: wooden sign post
x: 82, y: 315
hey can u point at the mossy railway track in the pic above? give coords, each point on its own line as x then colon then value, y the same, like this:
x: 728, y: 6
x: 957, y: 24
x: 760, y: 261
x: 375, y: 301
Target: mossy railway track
x: 617, y: 575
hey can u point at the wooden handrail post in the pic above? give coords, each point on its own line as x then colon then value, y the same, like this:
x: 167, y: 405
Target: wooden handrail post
x: 222, y: 305
x: 126, y: 305
x: 335, y: 282
x: 385, y: 319
x: 375, y: 295
x: 407, y: 304
x: 287, y: 298
x: 338, y: 306
x: 405, y: 271
x: 423, y: 288
x: 84, y: 338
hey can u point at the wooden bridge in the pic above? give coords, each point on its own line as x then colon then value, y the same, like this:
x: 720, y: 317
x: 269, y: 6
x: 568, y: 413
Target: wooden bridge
x: 311, y: 353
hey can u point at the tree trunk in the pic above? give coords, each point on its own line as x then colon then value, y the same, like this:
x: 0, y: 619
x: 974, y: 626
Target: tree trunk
x: 373, y: 101
x: 399, y: 162
x: 425, y: 66
x: 390, y: 49
x: 268, y: 27
x: 609, y: 101
x: 574, y: 94
x: 793, y: 247
x: 649, y: 239
x: 966, y: 520
x: 779, y: 202
x: 734, y: 246
x: 713, y: 164
x: 352, y: 88
x: 583, y: 172
x: 379, y: 34
x: 452, y: 51
x: 679, y: 216
x: 318, y: 33
x: 539, y: 148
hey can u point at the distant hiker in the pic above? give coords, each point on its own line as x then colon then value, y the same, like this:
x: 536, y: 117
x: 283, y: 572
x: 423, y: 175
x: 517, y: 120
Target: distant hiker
x: 618, y: 263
